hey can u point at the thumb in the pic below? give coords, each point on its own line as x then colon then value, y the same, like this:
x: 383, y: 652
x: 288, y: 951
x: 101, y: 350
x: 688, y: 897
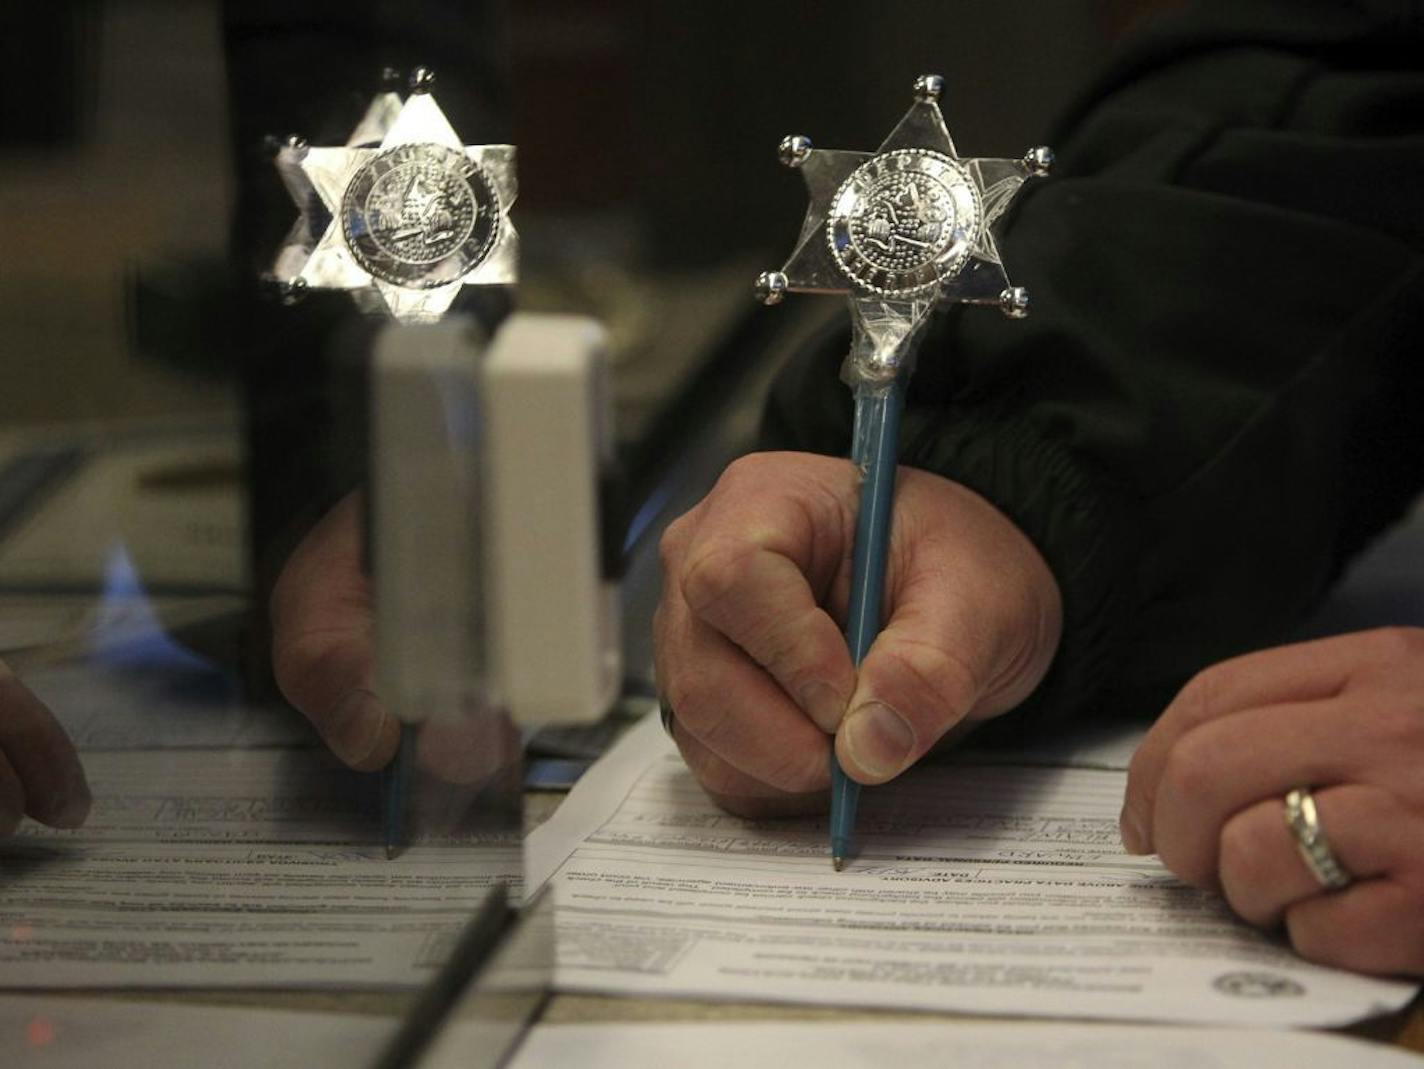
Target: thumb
x: 323, y: 648
x: 974, y: 621
x: 910, y: 691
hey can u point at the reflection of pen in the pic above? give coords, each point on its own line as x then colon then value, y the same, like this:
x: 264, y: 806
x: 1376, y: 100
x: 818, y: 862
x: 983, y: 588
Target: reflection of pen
x: 472, y: 953
x: 396, y: 784
x: 877, y: 429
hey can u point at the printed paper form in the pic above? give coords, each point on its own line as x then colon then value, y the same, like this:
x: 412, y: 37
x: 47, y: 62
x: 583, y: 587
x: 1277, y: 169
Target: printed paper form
x: 233, y: 868
x: 986, y: 889
x: 873, y: 1045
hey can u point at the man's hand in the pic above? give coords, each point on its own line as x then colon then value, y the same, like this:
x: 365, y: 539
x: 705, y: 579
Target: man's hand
x: 750, y: 651
x: 324, y: 657
x: 1342, y: 716
x: 323, y: 644
x: 40, y: 774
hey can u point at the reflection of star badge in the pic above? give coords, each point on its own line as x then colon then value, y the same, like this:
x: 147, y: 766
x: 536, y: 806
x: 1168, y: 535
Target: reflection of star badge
x: 406, y: 213
x: 910, y: 222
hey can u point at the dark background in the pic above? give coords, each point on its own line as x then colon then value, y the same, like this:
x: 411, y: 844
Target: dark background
x: 647, y: 135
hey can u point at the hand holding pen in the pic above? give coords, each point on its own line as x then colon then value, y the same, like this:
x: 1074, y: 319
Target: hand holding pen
x: 324, y: 658
x: 750, y: 649
x: 898, y: 231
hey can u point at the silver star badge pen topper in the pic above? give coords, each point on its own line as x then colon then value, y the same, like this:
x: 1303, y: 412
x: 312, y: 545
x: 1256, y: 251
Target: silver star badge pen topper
x: 403, y: 215
x: 900, y: 230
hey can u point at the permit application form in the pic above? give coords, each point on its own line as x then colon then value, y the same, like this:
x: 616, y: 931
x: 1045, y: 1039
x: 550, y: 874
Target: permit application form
x: 234, y: 868
x: 982, y: 887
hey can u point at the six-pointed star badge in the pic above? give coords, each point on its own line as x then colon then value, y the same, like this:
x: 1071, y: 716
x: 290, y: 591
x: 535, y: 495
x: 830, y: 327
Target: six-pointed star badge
x: 410, y: 220
x: 911, y: 221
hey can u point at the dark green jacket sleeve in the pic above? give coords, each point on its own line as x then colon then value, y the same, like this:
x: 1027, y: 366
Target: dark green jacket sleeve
x: 1216, y: 399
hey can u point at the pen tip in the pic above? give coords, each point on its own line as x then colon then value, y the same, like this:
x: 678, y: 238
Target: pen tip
x: 838, y: 863
x: 390, y: 851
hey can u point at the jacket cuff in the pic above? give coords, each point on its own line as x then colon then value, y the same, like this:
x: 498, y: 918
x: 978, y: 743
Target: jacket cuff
x: 1081, y: 523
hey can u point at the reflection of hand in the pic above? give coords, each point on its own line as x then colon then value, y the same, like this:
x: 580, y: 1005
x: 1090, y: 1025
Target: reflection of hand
x: 40, y: 774
x: 1343, y: 716
x: 323, y: 649
x: 753, y: 661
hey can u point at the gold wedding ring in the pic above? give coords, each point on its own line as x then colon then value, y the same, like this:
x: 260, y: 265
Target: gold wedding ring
x: 1304, y: 824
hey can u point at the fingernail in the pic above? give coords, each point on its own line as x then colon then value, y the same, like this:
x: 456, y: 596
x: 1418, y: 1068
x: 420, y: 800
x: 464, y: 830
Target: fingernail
x: 1134, y: 839
x: 823, y: 704
x: 357, y: 721
x: 878, y: 738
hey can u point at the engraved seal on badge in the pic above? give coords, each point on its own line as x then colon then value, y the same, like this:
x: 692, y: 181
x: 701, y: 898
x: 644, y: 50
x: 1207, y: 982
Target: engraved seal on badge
x: 420, y: 216
x: 403, y: 215
x: 905, y: 228
x: 904, y: 221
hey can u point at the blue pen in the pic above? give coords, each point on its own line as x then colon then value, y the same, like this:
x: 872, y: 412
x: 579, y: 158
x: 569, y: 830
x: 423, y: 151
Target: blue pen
x: 877, y: 429
x: 396, y: 781
x: 898, y: 230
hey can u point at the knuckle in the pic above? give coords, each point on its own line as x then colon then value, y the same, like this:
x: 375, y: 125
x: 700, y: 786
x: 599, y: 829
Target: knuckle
x: 712, y: 574
x: 797, y: 649
x: 778, y: 651
x: 1190, y: 770
x: 1243, y: 864
x: 1240, y: 847
x: 818, y: 653
x: 748, y: 469
x: 1196, y: 700
x: 673, y: 543
x: 737, y: 478
x: 747, y: 480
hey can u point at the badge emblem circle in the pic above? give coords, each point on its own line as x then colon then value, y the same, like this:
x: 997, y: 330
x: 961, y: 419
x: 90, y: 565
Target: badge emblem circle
x: 420, y: 216
x: 904, y: 222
